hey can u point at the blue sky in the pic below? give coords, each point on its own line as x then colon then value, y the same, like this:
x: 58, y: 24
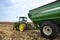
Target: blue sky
x: 10, y: 9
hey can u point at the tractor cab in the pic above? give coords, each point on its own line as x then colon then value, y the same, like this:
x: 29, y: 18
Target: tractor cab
x: 23, y: 19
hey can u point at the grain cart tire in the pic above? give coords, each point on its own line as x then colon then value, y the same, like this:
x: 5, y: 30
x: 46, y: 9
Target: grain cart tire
x: 49, y: 30
x: 22, y: 27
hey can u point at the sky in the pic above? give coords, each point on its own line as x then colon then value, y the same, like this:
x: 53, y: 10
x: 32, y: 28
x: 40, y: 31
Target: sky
x: 10, y: 10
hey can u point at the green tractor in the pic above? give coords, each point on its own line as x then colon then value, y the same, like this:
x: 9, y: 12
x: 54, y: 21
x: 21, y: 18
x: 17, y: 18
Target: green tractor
x: 21, y: 25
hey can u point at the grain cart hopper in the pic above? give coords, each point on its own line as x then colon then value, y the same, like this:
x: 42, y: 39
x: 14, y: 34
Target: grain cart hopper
x: 22, y: 24
x: 48, y: 19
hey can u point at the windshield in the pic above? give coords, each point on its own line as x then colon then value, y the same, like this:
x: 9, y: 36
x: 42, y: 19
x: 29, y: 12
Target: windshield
x: 21, y: 19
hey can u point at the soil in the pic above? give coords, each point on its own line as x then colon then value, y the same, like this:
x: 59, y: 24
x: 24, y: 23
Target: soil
x: 7, y: 33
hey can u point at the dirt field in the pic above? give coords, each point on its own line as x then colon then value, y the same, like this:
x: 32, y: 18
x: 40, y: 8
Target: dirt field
x: 7, y: 33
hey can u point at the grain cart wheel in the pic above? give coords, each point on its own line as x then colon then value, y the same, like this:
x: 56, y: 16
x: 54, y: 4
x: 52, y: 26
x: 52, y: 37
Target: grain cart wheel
x: 49, y: 30
x: 22, y: 27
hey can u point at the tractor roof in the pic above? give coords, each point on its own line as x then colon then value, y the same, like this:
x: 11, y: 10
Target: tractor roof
x: 22, y: 17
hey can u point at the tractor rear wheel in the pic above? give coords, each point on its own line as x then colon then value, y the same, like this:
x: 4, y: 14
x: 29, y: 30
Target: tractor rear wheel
x: 22, y: 27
